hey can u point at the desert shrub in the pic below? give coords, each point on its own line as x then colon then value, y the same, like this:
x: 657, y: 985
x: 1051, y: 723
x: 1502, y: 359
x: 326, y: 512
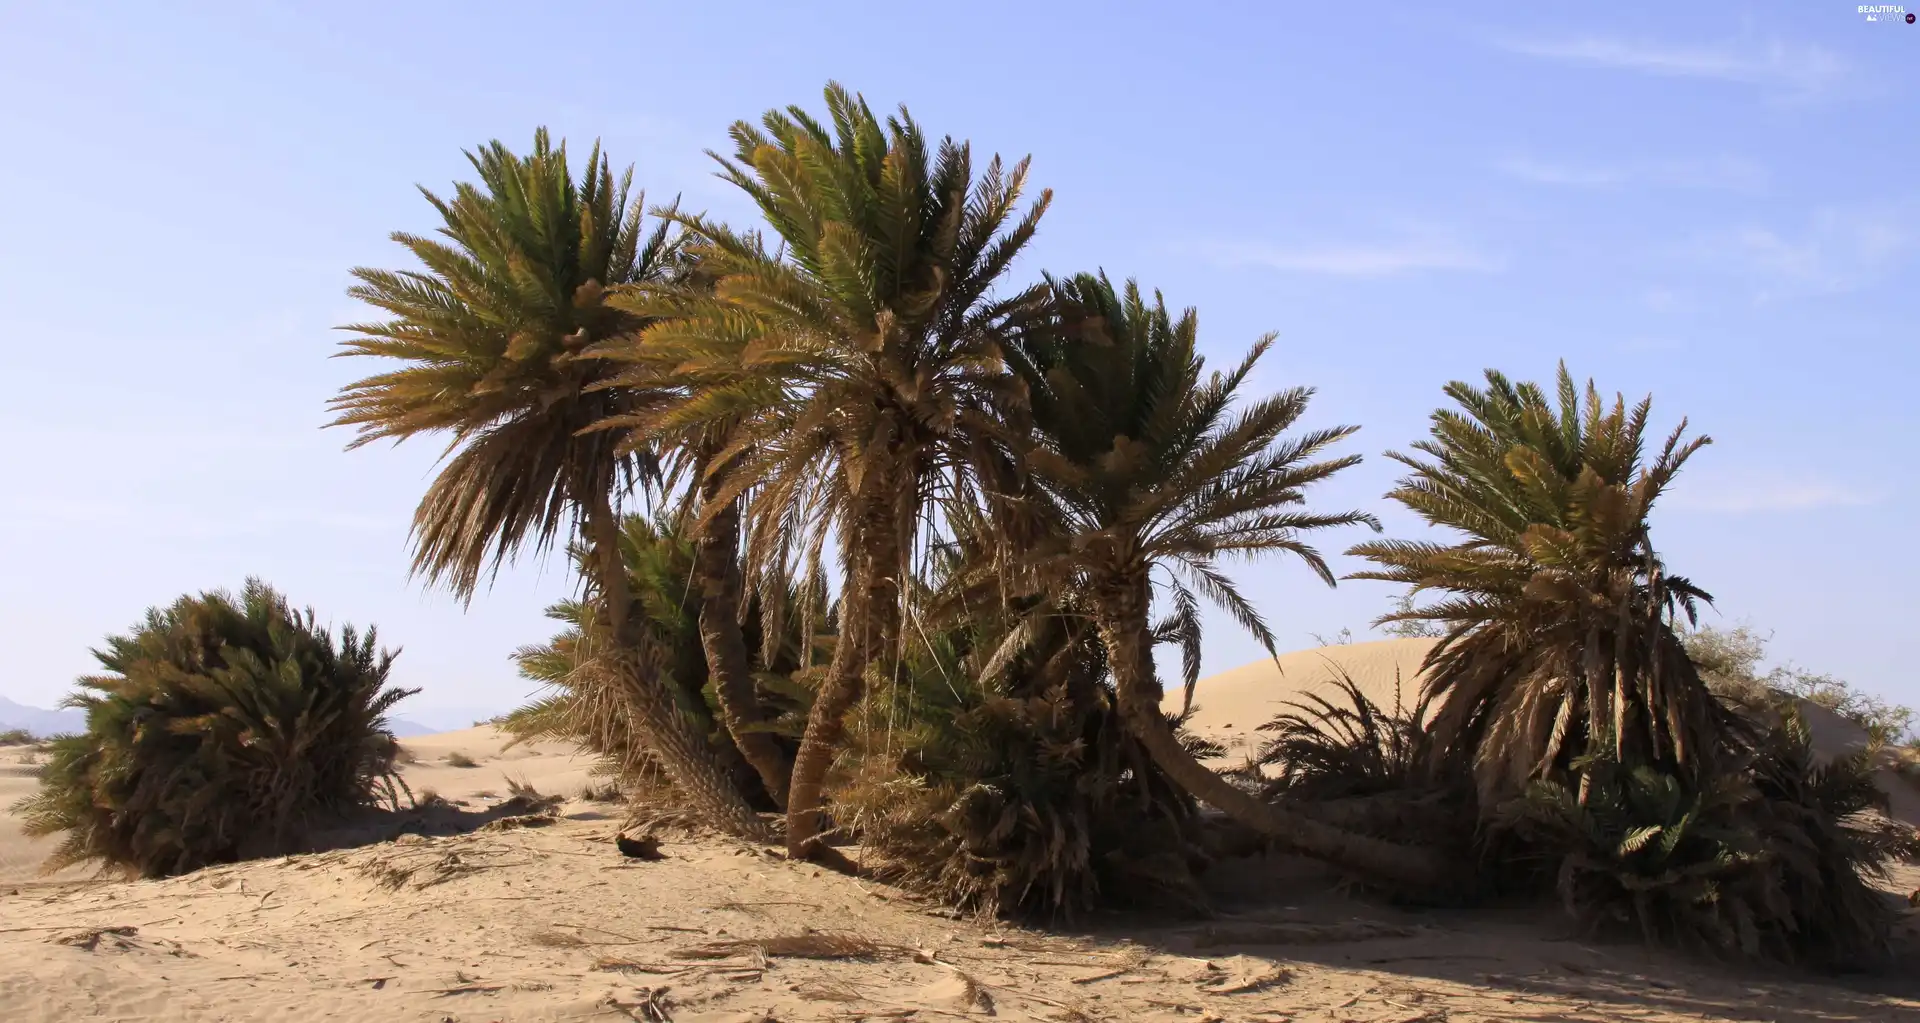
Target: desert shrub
x: 1772, y: 861
x: 222, y: 726
x: 1729, y: 660
x: 994, y: 774
x: 459, y: 759
x: 17, y: 737
x: 1345, y: 745
x: 1349, y: 761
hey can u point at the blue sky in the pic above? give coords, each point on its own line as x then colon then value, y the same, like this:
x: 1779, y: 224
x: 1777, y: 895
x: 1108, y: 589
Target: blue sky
x: 1710, y: 202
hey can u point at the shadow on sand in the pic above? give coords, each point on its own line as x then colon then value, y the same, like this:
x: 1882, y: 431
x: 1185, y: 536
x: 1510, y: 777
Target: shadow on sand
x: 1291, y: 911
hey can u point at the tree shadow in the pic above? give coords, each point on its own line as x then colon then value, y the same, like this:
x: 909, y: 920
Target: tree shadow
x: 434, y: 817
x: 1290, y: 911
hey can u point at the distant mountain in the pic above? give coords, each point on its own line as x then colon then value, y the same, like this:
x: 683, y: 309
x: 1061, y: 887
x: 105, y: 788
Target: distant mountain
x: 402, y: 728
x: 40, y: 722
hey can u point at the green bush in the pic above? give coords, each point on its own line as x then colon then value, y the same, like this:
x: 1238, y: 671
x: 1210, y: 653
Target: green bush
x: 1772, y: 860
x: 222, y: 727
x: 994, y: 774
x: 17, y: 737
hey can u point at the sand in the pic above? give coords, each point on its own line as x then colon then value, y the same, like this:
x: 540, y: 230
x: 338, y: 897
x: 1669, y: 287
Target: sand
x: 554, y: 923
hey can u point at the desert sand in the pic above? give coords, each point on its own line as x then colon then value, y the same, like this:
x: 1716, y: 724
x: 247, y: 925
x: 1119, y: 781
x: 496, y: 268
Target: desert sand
x: 484, y: 918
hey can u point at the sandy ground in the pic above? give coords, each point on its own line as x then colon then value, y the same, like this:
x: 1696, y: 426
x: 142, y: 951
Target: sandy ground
x: 554, y: 923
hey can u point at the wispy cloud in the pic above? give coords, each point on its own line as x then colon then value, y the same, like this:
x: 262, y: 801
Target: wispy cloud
x: 1766, y: 492
x: 1838, y: 250
x: 1725, y: 173
x: 1347, y: 259
x: 1799, y: 68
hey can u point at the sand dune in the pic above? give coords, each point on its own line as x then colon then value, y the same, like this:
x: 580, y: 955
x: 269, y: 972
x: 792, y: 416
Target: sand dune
x: 1231, y: 706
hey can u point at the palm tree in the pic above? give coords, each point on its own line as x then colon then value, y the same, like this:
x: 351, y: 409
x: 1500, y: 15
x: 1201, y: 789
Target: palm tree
x: 490, y: 334
x: 581, y: 707
x: 694, y: 449
x: 1140, y: 465
x: 854, y: 367
x: 1560, y: 641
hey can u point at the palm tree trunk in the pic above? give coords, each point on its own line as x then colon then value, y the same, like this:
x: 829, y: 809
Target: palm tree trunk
x: 1123, y: 630
x: 674, y: 741
x: 717, y: 566
x: 869, y: 622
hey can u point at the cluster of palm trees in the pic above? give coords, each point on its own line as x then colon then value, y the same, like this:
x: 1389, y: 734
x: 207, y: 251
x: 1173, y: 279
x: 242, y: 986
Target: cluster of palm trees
x: 867, y: 381
x: 859, y: 385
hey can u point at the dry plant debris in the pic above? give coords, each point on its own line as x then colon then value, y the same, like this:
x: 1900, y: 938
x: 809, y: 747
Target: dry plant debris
x: 798, y: 946
x: 89, y: 939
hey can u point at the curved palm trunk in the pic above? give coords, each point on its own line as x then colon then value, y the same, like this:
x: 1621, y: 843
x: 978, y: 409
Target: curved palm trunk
x: 674, y: 741
x: 717, y: 566
x: 1122, y: 620
x: 869, y: 622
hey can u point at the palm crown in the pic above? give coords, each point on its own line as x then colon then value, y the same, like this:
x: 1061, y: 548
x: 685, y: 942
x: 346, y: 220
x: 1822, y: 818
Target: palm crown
x: 490, y: 332
x: 1146, y: 463
x: 1559, y: 611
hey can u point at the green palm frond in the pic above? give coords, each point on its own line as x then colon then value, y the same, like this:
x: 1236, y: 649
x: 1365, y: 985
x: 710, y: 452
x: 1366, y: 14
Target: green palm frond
x: 1140, y: 461
x: 489, y: 336
x: 1558, y: 618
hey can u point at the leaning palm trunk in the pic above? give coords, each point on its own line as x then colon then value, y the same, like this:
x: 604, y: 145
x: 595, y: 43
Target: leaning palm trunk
x: 869, y: 625
x: 1122, y: 620
x: 683, y: 753
x: 717, y: 572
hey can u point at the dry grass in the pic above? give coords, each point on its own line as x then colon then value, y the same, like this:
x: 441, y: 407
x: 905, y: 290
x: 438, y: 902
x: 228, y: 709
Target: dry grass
x: 418, y: 865
x: 459, y: 759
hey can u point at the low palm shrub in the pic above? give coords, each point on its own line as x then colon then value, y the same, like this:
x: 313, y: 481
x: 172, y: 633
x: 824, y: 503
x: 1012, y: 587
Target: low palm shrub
x: 995, y: 774
x: 222, y: 725
x: 1345, y: 759
x: 581, y: 705
x: 1648, y: 776
x: 1001, y: 804
x: 1345, y: 744
x: 1773, y: 861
